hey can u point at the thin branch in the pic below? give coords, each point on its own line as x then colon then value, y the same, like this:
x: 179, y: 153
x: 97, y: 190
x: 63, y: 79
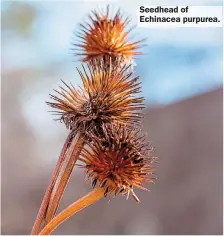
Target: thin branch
x: 64, y: 176
x: 45, y: 201
x: 83, y: 202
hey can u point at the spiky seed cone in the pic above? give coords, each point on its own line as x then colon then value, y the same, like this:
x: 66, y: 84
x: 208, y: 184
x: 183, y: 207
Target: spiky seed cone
x: 106, y: 37
x: 118, y: 160
x: 106, y: 96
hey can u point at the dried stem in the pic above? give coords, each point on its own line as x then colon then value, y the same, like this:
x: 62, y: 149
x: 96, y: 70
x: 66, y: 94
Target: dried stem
x: 45, y: 201
x: 83, y: 202
x: 65, y: 173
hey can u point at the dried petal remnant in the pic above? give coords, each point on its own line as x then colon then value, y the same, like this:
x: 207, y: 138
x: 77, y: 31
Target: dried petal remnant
x: 106, y: 37
x: 118, y: 161
x: 106, y: 96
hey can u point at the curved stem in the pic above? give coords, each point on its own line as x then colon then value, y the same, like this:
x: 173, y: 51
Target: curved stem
x: 83, y: 202
x: 64, y: 176
x: 45, y: 201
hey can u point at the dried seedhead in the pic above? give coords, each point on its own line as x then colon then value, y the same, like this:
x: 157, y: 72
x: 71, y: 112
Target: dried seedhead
x: 106, y: 37
x: 118, y: 160
x: 106, y: 96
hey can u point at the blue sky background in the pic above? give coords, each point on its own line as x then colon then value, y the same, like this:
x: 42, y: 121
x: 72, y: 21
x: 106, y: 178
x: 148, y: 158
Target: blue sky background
x: 177, y: 63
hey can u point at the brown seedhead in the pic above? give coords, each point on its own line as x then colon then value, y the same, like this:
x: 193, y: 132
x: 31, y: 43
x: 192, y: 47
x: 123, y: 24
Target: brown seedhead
x: 118, y: 160
x: 106, y: 96
x: 106, y: 36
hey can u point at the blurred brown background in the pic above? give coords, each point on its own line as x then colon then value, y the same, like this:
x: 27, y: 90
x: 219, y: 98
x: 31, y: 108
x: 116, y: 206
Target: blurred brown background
x: 187, y: 135
x: 186, y: 199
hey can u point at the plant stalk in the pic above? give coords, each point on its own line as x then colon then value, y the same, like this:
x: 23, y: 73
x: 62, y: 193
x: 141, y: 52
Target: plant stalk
x: 83, y: 202
x: 45, y: 201
x: 64, y: 176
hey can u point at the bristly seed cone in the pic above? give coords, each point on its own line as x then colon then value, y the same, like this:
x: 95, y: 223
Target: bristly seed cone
x: 118, y: 161
x: 106, y: 96
x: 106, y: 36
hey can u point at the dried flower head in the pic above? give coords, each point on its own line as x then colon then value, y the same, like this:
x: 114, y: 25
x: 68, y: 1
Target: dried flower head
x: 118, y: 161
x: 106, y: 36
x: 106, y: 96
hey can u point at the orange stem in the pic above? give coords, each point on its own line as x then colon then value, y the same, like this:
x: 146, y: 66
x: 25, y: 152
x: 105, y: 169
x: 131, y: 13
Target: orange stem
x: 64, y: 176
x: 83, y: 202
x: 45, y: 201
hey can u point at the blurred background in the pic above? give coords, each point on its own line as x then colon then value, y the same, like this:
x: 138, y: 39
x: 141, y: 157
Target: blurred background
x: 181, y: 72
